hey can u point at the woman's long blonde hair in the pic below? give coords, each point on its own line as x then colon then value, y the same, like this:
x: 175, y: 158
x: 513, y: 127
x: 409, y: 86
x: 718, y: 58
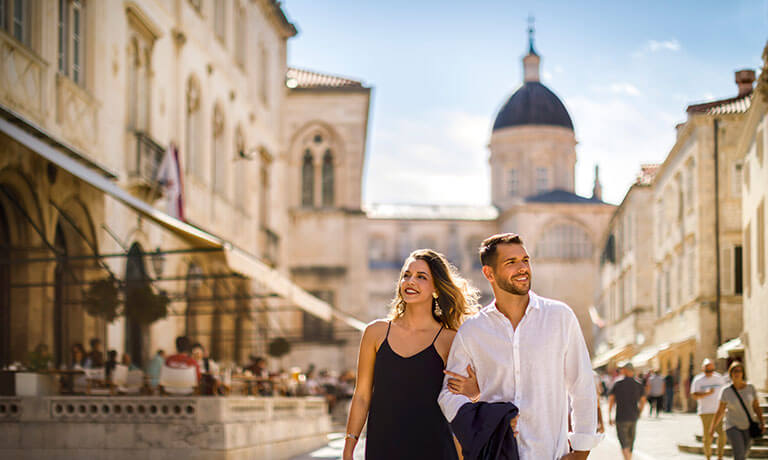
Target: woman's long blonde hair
x: 455, y: 295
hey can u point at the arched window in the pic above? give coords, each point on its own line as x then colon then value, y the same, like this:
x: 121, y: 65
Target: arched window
x: 328, y: 179
x: 219, y: 153
x: 564, y: 241
x: 307, y: 180
x: 194, y: 163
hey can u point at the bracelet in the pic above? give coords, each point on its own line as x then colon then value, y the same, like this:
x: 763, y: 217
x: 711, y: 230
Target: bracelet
x: 351, y: 436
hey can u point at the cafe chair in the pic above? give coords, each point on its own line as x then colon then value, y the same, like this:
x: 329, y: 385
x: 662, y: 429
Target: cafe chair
x: 96, y: 382
x: 175, y: 381
x: 127, y: 382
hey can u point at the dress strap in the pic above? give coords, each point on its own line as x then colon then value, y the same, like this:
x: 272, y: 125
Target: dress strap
x: 389, y: 324
x: 438, y: 333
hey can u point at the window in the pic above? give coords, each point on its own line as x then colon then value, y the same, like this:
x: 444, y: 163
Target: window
x: 738, y: 277
x: 15, y: 19
x: 241, y: 173
x: 317, y: 329
x: 240, y: 35
x: 307, y: 180
x: 737, y: 177
x: 564, y: 241
x: 218, y: 154
x: 220, y: 19
x: 513, y: 183
x: 542, y: 180
x: 748, y: 259
x: 760, y: 236
x: 71, y: 51
x: 327, y: 179
x: 264, y: 80
x: 194, y: 163
x: 139, y: 71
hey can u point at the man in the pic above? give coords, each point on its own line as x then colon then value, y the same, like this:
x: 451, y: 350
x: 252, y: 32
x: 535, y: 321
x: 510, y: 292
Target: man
x: 209, y: 380
x: 628, y: 395
x: 182, y: 359
x: 95, y: 357
x: 655, y: 389
x: 705, y: 389
x: 669, y: 391
x: 529, y: 351
x: 154, y: 367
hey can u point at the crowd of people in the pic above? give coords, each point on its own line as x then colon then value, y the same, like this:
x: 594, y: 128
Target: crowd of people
x: 719, y: 398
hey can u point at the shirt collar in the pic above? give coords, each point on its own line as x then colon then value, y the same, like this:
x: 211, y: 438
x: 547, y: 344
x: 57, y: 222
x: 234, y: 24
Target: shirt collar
x: 534, y: 302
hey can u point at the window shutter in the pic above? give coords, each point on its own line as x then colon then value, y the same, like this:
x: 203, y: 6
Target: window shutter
x: 726, y: 271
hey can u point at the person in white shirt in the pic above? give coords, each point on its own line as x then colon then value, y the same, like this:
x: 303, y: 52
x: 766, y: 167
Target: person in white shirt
x: 705, y: 389
x: 527, y: 350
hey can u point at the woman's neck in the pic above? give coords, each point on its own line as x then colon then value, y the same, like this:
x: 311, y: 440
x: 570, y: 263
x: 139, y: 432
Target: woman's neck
x: 740, y: 384
x: 418, y: 316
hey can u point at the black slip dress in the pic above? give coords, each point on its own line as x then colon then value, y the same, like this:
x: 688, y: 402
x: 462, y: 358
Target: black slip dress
x: 404, y: 419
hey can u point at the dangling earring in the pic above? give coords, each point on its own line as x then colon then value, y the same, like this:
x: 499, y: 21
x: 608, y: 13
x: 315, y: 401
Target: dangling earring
x: 438, y: 311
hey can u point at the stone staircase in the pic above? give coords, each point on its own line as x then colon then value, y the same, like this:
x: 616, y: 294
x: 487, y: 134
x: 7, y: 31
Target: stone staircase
x: 759, y: 446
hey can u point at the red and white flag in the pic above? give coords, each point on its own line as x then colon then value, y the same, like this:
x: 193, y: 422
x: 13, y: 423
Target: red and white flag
x: 169, y: 177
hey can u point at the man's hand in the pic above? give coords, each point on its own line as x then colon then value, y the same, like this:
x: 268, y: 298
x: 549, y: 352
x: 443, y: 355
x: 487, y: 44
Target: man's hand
x: 576, y: 455
x: 611, y: 421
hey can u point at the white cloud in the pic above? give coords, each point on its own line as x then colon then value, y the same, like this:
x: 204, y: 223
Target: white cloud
x: 546, y: 76
x: 436, y: 158
x: 653, y: 46
x: 624, y: 88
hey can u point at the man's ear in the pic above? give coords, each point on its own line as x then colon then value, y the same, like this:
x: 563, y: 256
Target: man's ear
x: 488, y: 273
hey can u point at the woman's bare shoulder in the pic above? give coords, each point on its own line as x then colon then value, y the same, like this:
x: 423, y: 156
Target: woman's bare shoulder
x: 376, y: 330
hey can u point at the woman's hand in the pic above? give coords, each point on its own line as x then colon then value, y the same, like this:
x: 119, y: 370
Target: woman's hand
x: 461, y: 385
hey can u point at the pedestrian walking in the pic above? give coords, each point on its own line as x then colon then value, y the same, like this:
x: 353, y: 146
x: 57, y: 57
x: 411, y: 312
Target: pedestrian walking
x: 628, y: 395
x: 527, y: 351
x: 743, y: 417
x: 705, y: 389
x: 401, y: 361
x: 669, y: 391
x: 655, y: 389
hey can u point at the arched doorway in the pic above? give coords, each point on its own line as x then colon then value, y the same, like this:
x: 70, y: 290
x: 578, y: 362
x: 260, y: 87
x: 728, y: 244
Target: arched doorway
x: 135, y: 279
x: 5, y: 290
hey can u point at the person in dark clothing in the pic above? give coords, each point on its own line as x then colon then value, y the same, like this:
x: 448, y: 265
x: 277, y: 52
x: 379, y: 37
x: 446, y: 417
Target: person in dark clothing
x: 669, y: 391
x: 401, y: 361
x: 95, y: 357
x: 110, y: 365
x: 628, y: 395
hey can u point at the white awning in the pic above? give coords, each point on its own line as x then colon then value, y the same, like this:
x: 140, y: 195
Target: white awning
x: 604, y: 358
x: 642, y: 358
x: 731, y: 346
x: 238, y: 259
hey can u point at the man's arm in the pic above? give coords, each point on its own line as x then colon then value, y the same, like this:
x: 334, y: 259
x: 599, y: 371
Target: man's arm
x: 580, y: 387
x: 611, y: 403
x: 458, y: 359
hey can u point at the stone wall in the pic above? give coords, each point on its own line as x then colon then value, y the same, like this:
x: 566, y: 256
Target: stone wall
x: 119, y: 428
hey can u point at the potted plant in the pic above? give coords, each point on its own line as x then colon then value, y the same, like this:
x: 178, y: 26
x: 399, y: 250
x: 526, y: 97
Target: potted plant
x: 32, y: 382
x: 102, y: 299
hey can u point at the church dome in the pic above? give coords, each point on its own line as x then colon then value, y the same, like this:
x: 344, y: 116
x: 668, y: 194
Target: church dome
x: 533, y: 104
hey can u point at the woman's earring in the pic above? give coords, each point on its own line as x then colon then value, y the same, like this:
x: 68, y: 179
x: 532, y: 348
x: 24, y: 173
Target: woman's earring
x: 438, y: 311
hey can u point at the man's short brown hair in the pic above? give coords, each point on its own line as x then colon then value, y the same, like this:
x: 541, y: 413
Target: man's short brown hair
x: 488, y: 246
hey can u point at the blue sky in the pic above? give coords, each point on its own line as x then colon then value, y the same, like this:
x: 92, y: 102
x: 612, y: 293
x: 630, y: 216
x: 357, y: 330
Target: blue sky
x: 440, y: 70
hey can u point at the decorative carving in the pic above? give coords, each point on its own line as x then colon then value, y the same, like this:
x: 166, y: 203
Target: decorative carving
x: 218, y: 121
x: 76, y: 113
x: 22, y: 75
x: 193, y: 97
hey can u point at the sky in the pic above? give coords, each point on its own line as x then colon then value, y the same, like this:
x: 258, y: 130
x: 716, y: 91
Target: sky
x: 441, y: 70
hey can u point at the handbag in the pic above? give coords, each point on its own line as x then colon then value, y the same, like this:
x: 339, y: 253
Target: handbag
x: 754, y: 427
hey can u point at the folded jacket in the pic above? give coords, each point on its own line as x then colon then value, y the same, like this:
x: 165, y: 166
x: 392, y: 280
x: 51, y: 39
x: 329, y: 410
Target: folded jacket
x: 483, y: 431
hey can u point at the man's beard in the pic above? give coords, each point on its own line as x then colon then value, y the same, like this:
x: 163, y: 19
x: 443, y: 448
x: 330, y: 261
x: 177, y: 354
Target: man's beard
x: 507, y: 285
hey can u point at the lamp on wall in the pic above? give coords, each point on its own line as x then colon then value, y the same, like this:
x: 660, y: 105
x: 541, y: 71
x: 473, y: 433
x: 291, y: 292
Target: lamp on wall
x: 157, y: 258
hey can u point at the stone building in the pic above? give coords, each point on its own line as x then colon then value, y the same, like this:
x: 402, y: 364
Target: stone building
x: 532, y: 159
x: 100, y: 106
x: 624, y: 294
x: 752, y: 147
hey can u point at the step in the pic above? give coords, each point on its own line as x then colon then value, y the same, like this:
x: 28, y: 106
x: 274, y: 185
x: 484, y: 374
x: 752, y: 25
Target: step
x: 754, y: 452
x: 755, y: 442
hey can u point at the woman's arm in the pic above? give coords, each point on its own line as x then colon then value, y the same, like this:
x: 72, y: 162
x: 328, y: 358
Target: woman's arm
x: 361, y: 398
x: 758, y: 411
x: 718, y: 417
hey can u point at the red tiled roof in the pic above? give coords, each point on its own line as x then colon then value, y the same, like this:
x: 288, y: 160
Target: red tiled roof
x: 647, y: 173
x: 300, y: 78
x: 739, y: 104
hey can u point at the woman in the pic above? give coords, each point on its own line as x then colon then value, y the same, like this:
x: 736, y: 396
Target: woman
x: 736, y: 419
x: 401, y: 361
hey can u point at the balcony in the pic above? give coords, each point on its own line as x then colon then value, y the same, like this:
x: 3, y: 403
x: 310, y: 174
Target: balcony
x: 143, y: 168
x: 22, y: 78
x: 270, y: 243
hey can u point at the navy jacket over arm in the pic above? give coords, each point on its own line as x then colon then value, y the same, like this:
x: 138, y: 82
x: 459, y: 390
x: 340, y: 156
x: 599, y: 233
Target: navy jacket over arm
x: 483, y: 431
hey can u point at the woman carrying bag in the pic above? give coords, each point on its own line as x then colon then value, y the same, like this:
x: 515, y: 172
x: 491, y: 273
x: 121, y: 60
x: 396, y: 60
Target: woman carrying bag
x: 741, y: 423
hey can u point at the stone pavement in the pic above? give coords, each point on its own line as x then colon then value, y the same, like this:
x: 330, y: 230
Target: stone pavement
x: 657, y: 439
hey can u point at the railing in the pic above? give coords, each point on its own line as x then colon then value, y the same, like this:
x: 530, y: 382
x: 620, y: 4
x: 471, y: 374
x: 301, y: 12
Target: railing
x: 270, y: 246
x: 22, y: 78
x: 149, y: 155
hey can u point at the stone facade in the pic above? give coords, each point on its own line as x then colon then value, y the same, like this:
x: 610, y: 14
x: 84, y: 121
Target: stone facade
x: 752, y: 146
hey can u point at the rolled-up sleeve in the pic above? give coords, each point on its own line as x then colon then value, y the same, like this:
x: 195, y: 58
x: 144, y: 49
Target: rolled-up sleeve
x: 458, y: 359
x: 580, y: 385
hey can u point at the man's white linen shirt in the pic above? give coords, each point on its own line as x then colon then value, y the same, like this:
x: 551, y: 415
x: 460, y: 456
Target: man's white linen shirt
x: 538, y: 367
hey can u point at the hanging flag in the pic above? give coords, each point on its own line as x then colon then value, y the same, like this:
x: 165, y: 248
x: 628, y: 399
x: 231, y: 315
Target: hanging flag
x: 594, y: 315
x: 169, y: 178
